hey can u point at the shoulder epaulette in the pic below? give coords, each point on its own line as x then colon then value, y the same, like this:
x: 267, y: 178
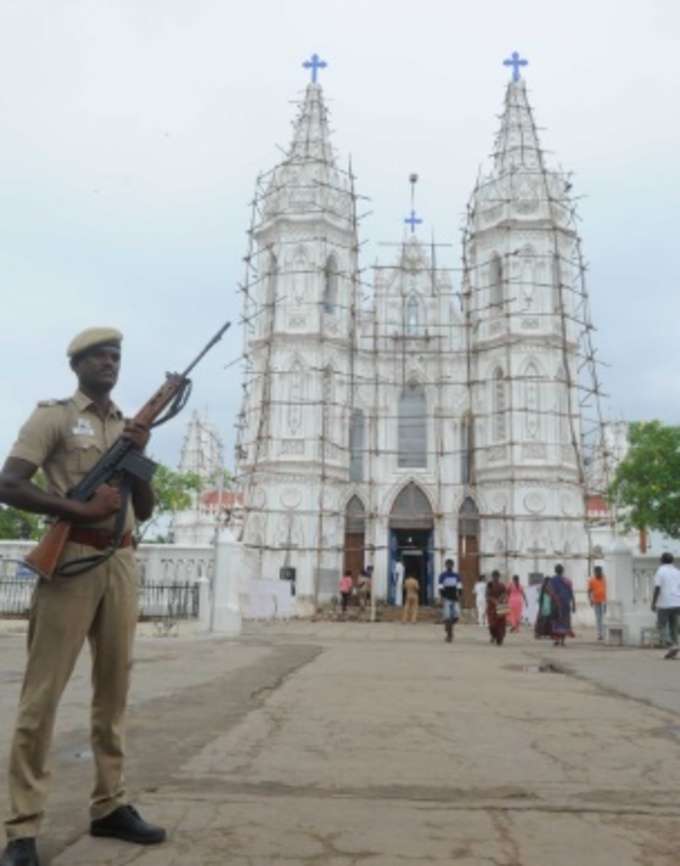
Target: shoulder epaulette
x: 44, y: 404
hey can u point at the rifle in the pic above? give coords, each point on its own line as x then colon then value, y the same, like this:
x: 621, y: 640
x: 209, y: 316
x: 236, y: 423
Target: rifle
x: 123, y: 462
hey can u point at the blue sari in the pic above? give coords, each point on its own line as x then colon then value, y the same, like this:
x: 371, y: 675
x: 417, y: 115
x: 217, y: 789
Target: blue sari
x: 563, y: 598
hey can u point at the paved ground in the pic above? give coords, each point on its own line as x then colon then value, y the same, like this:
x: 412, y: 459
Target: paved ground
x: 379, y: 745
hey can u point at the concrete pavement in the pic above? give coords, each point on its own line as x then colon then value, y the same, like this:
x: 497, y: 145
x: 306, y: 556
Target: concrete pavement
x: 339, y: 744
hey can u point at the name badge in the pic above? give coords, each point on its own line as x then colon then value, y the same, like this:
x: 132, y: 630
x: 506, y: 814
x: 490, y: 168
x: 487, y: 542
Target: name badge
x: 83, y: 428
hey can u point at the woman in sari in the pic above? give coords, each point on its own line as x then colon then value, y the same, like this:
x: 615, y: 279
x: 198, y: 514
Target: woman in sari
x: 496, y: 608
x: 516, y: 600
x: 543, y: 626
x: 563, y: 606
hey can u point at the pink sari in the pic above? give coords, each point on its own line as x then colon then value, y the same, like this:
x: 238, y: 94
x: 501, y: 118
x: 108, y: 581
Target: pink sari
x: 516, y: 603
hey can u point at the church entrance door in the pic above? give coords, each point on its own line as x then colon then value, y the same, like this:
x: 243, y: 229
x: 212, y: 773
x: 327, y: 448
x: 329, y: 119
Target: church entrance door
x: 468, y: 549
x: 411, y: 540
x: 355, y: 536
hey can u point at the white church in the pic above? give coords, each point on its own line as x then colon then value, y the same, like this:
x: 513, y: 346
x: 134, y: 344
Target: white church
x: 419, y: 412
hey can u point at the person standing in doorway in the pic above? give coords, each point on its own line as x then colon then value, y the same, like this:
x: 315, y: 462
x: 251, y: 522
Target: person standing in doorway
x: 411, y: 599
x: 398, y: 580
x: 497, y: 608
x: 480, y: 600
x: 597, y: 596
x: 346, y: 586
x: 449, y: 589
x: 666, y: 600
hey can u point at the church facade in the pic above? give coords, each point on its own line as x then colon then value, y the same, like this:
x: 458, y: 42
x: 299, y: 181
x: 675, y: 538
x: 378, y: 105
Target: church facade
x: 426, y: 412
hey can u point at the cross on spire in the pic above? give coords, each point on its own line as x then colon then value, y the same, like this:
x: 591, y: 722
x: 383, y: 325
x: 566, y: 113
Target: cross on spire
x: 516, y: 62
x: 315, y: 63
x: 413, y: 220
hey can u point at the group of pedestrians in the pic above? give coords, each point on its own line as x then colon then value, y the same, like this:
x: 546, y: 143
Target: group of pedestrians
x: 501, y: 605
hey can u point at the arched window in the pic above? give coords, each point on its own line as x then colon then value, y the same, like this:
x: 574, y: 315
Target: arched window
x: 327, y: 399
x: 412, y: 427
x: 412, y: 316
x: 466, y: 448
x: 499, y: 425
x: 272, y: 279
x: 295, y: 397
x: 356, y: 446
x: 563, y: 421
x: 532, y: 401
x: 496, y: 281
x: 330, y: 285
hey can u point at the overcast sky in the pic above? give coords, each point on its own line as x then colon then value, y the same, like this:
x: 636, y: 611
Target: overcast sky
x: 132, y: 132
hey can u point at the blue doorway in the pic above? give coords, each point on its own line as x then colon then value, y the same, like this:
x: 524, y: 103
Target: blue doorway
x: 415, y: 549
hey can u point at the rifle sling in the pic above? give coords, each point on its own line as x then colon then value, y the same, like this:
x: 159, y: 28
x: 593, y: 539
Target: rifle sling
x: 74, y: 567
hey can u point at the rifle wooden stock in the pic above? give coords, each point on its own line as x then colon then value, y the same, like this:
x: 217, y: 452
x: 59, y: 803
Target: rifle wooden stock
x: 45, y: 556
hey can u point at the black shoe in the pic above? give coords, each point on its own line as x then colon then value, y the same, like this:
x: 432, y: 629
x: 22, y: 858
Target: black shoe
x: 20, y: 852
x: 126, y: 823
x: 672, y: 652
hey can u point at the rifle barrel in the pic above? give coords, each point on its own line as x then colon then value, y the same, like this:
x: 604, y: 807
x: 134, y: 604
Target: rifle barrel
x: 204, y: 351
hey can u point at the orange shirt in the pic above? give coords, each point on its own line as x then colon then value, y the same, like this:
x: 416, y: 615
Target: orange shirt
x: 597, y: 587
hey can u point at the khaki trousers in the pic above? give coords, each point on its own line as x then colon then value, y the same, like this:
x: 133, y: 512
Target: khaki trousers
x: 410, y: 613
x: 100, y: 605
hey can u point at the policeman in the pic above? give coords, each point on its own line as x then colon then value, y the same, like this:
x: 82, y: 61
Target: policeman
x: 65, y: 438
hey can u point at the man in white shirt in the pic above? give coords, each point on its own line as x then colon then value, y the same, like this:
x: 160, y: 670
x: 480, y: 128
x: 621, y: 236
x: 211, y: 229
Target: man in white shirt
x: 398, y: 582
x: 666, y: 600
x: 480, y: 599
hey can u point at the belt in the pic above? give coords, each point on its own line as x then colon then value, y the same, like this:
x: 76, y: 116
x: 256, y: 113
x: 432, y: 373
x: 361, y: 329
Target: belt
x: 100, y: 539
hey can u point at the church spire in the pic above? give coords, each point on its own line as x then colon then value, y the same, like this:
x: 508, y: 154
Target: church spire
x: 517, y: 147
x: 311, y: 137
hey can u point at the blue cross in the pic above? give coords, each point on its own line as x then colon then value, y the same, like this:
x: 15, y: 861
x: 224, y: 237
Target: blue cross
x: 413, y: 221
x: 515, y: 62
x: 315, y: 64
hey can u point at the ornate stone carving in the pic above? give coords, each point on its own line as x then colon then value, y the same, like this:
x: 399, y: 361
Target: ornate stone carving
x: 534, y: 451
x: 530, y: 324
x: 496, y: 453
x: 534, y: 502
x: 291, y: 497
x: 292, y: 446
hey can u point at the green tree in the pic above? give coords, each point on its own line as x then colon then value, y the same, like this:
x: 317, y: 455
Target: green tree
x: 19, y: 524
x: 22, y: 524
x: 173, y: 492
x: 647, y: 481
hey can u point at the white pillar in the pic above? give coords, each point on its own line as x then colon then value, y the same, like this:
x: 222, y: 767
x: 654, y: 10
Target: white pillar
x: 634, y: 614
x: 225, y: 612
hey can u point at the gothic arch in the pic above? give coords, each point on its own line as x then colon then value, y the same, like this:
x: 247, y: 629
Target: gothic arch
x: 412, y: 426
x: 300, y: 268
x: 355, y: 535
x: 330, y: 284
x: 532, y: 378
x: 495, y: 281
x: 413, y: 314
x: 411, y: 508
x: 499, y: 405
x: 296, y: 396
x: 271, y: 289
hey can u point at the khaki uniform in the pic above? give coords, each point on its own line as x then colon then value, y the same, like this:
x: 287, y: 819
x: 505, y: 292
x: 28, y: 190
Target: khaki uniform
x: 411, y: 594
x: 66, y: 438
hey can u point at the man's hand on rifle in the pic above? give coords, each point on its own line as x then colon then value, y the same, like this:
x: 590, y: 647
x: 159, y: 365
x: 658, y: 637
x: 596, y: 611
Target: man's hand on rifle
x: 105, y: 502
x: 137, y: 433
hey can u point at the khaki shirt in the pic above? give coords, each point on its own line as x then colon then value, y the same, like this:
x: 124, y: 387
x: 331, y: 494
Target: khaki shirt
x: 411, y: 587
x: 65, y: 438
